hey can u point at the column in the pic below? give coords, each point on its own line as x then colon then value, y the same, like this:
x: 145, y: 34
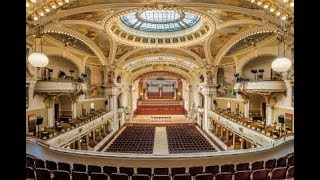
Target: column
x: 205, y: 118
x: 99, y: 131
x: 210, y: 102
x: 79, y: 144
x: 104, y: 128
x: 74, y: 109
x: 94, y: 135
x: 51, y: 120
x: 246, y: 109
x: 269, y: 115
x: 234, y: 140
x: 241, y: 143
x: 87, y: 140
x: 115, y: 112
x: 227, y: 136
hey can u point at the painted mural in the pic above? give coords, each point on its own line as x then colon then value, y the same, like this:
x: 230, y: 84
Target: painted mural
x: 122, y: 49
x: 198, y: 49
x: 94, y: 82
x: 222, y: 36
x: 226, y: 80
x: 96, y: 35
x: 88, y: 16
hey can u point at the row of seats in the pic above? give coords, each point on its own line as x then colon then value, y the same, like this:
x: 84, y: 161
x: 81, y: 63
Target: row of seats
x: 186, y: 139
x: 134, y: 139
x: 274, y: 169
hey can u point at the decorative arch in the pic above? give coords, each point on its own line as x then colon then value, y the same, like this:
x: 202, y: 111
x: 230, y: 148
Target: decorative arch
x: 92, y: 45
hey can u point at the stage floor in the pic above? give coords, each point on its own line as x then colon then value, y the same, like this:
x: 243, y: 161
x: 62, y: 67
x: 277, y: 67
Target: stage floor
x: 161, y: 119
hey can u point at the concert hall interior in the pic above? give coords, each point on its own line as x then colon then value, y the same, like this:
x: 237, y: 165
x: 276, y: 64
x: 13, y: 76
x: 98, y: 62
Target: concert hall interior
x: 145, y: 89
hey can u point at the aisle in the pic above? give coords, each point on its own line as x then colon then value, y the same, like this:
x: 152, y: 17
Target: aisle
x: 160, y: 141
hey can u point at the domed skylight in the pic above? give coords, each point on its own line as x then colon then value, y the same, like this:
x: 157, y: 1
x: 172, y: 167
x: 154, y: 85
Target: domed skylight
x: 160, y: 20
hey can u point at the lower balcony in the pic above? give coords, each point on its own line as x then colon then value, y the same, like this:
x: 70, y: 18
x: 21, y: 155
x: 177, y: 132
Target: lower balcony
x: 260, y: 86
x: 59, y: 87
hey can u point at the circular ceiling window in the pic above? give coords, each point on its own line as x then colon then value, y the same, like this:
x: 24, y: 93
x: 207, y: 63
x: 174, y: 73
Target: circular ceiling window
x: 160, y: 20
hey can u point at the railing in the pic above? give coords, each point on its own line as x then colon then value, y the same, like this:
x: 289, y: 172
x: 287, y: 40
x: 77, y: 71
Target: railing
x: 59, y: 86
x: 269, y: 86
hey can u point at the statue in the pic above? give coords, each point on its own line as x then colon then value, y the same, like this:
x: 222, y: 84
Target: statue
x: 94, y: 91
x: 111, y: 77
x: 209, y: 77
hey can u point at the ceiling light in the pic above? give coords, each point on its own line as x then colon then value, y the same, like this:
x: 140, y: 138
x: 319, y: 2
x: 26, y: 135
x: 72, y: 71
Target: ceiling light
x: 41, y: 13
x: 27, y: 4
x: 66, y: 1
x: 284, y: 17
x: 272, y: 9
x: 266, y: 5
x: 60, y: 3
x: 33, y: 1
x: 259, y: 3
x: 291, y: 3
x: 35, y: 18
x: 252, y: 1
x: 278, y: 13
x: 46, y: 8
x: 53, y: 5
x: 285, y: 1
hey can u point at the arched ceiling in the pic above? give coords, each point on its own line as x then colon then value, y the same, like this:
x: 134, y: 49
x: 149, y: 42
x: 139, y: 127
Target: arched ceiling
x: 86, y: 20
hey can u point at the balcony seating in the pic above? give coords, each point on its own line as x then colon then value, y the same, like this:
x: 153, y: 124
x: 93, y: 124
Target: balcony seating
x: 193, y: 171
x: 39, y: 163
x: 242, y: 175
x: 134, y: 139
x: 224, y: 176
x: 109, y: 170
x: 270, y: 164
x: 242, y: 167
x: 290, y: 172
x: 64, y: 166
x: 182, y: 177
x: 144, y: 170
x: 126, y: 170
x: 290, y: 161
x: 205, y: 176
x: 178, y: 170
x: 161, y: 171
x: 61, y: 175
x: 282, y: 162
x: 257, y: 165
x: 79, y: 167
x: 93, y: 168
x: 186, y: 139
x: 43, y: 174
x: 51, y: 165
x: 30, y: 173
x: 98, y: 176
x: 212, y: 169
x: 29, y: 161
x: 161, y: 177
x: 76, y: 175
x: 119, y: 176
x: 260, y: 174
x: 140, y: 177
x: 279, y: 173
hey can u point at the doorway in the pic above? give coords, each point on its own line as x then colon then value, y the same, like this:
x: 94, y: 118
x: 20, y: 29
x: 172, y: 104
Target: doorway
x: 264, y: 106
x: 56, y: 112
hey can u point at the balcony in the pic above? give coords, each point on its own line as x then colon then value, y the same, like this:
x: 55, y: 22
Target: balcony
x: 262, y: 86
x: 59, y: 86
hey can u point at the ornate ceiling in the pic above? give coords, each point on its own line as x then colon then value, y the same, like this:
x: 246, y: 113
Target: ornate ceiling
x: 228, y: 26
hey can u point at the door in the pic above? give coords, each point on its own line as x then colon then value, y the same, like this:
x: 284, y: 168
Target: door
x: 264, y: 106
x: 56, y: 112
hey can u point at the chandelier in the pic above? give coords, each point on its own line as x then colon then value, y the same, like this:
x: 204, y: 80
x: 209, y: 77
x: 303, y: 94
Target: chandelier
x: 282, y: 63
x: 37, y: 58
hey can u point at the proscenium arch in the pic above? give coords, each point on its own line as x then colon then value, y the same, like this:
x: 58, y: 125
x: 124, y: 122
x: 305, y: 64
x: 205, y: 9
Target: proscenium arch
x: 172, y: 55
x: 192, y: 54
x: 80, y: 36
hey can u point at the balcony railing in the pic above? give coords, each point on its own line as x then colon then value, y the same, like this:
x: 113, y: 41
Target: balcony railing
x: 59, y: 86
x: 261, y: 86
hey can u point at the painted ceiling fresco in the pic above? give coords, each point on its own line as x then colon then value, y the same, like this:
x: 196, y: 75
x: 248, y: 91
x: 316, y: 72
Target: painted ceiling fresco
x: 122, y: 50
x: 222, y: 36
x: 97, y: 36
x: 198, y: 49
x: 88, y: 16
x: 153, y: 51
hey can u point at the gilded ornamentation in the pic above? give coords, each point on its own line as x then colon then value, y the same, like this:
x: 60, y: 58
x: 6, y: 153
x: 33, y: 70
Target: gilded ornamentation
x: 49, y: 101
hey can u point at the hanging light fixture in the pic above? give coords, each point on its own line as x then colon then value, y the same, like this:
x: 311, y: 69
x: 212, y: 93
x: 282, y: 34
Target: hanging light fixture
x: 282, y: 63
x: 37, y: 58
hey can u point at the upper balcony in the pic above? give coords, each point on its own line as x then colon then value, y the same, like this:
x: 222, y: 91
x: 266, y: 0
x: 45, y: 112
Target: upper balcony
x: 261, y: 86
x: 59, y: 86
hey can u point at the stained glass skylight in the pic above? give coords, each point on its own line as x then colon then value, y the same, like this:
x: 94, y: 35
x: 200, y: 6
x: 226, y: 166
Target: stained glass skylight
x: 160, y: 20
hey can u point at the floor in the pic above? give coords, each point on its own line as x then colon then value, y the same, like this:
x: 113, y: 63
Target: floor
x: 160, y: 141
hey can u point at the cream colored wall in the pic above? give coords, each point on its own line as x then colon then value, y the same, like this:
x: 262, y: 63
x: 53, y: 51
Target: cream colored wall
x: 38, y: 112
x: 96, y: 75
x: 59, y: 63
x: 223, y: 104
x: 98, y: 104
x: 261, y: 62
